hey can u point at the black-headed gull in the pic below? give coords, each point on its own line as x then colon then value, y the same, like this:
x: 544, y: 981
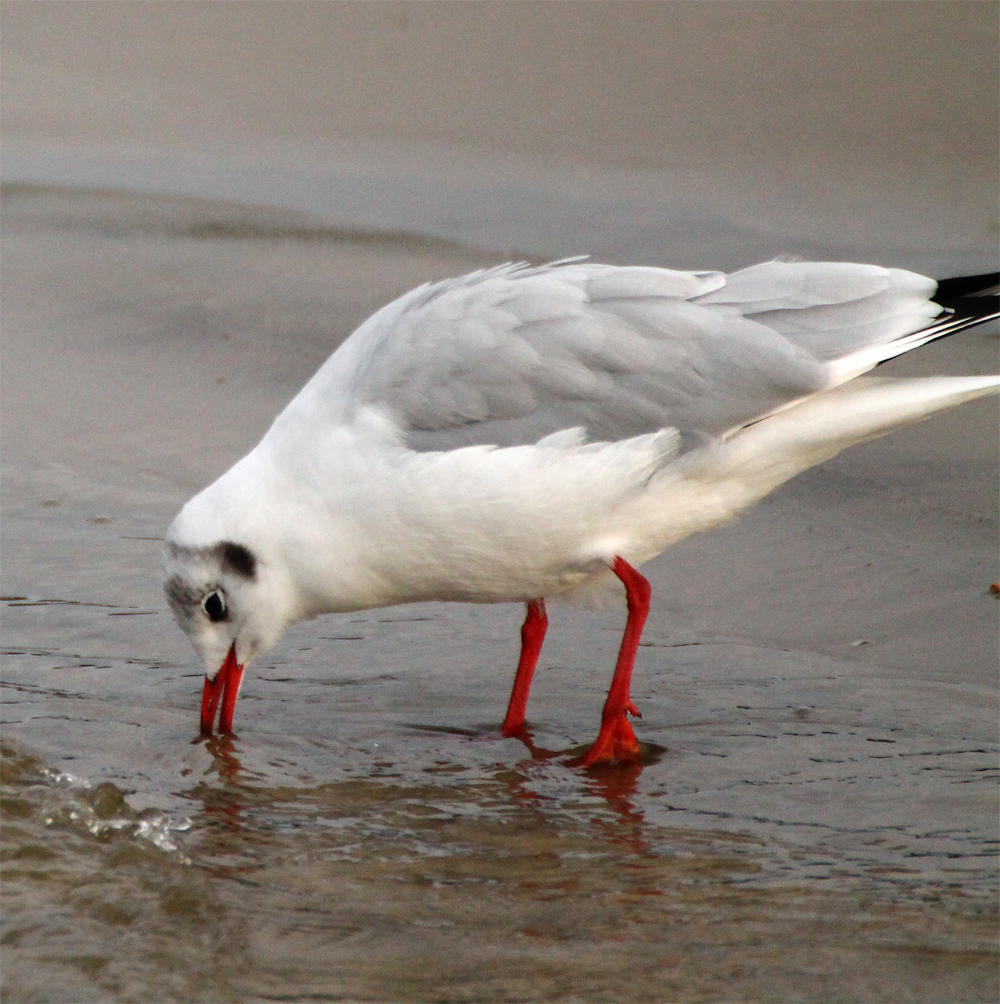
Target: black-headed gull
x: 522, y: 433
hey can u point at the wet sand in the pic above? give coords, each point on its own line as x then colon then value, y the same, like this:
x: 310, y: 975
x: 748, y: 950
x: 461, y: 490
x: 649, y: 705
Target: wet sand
x: 684, y: 134
x: 816, y: 816
x: 815, y: 685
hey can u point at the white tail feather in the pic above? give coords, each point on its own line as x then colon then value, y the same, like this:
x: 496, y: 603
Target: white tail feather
x: 762, y: 456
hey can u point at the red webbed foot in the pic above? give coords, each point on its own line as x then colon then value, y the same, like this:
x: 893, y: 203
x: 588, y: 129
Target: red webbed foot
x: 616, y: 743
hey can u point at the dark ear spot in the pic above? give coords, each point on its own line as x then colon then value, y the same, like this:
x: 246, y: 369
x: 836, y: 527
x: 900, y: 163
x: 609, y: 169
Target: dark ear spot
x: 237, y: 560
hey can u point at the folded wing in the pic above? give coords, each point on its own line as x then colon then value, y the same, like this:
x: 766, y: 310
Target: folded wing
x: 511, y: 354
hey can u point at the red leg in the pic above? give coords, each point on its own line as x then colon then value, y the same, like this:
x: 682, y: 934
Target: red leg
x: 616, y: 740
x: 532, y: 636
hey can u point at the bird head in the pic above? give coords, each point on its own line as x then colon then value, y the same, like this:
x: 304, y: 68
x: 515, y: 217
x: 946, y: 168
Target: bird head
x: 228, y: 601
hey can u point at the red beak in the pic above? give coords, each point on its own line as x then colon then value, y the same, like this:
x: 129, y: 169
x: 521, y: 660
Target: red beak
x: 225, y: 685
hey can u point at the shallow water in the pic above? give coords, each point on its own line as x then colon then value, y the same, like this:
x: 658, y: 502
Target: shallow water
x: 366, y: 836
x: 811, y: 821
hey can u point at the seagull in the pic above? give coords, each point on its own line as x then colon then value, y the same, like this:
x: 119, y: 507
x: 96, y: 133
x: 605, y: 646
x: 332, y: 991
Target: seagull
x: 528, y: 432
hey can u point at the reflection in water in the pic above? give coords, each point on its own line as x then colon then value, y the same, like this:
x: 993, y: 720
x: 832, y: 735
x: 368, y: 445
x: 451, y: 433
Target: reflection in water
x: 223, y: 804
x: 224, y: 758
x: 615, y: 783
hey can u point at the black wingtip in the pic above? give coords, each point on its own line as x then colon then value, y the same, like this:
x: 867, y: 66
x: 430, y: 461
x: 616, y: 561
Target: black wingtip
x: 968, y: 300
x: 964, y: 291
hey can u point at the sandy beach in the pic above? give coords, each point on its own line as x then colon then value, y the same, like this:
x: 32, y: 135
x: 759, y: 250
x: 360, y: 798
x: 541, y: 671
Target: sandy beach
x: 198, y: 208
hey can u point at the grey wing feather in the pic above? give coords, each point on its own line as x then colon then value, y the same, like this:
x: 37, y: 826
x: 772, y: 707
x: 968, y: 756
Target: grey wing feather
x: 830, y: 308
x: 512, y: 354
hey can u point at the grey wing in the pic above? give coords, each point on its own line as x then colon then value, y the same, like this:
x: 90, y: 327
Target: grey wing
x: 510, y: 355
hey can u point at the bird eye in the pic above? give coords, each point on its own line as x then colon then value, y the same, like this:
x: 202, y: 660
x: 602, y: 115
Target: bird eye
x: 214, y: 605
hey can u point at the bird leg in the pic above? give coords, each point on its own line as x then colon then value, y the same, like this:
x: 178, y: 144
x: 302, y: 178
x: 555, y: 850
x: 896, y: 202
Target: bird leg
x: 532, y: 636
x: 616, y: 741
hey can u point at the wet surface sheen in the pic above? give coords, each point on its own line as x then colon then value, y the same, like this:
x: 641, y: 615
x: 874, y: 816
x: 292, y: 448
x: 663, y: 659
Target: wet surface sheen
x: 815, y: 818
x: 367, y: 837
